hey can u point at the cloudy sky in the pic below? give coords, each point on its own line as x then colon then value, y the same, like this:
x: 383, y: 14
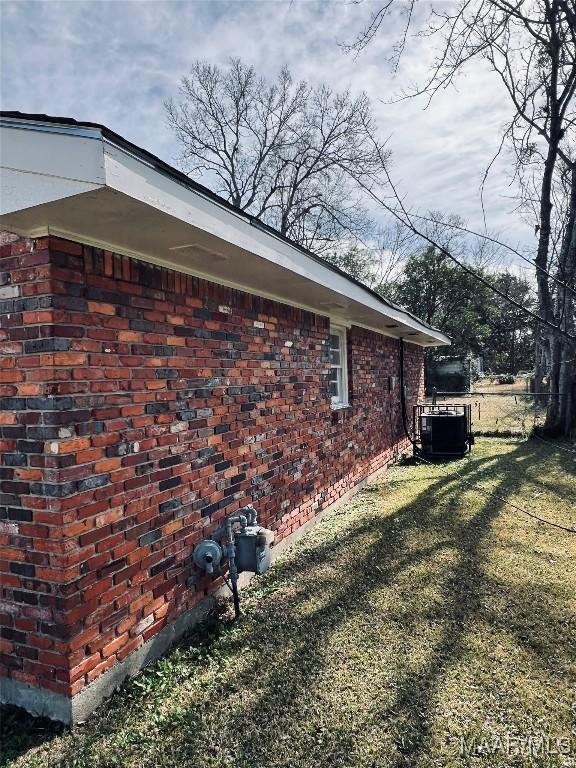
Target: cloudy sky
x: 116, y: 61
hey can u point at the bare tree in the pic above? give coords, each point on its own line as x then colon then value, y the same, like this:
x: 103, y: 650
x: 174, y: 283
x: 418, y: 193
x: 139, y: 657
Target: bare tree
x: 394, y: 243
x: 376, y: 259
x: 531, y: 46
x: 286, y: 152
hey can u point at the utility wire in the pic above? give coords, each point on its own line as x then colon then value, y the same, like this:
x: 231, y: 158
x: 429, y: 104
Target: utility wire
x: 407, y: 222
x: 557, y: 329
x: 515, y: 394
x: 549, y: 442
x: 493, y: 494
x: 497, y: 242
x: 503, y: 393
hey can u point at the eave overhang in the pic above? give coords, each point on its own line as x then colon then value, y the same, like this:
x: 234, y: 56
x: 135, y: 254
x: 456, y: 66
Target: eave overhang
x: 85, y: 183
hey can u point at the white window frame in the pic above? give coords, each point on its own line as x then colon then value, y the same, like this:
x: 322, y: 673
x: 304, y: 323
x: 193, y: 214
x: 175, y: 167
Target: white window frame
x: 340, y: 400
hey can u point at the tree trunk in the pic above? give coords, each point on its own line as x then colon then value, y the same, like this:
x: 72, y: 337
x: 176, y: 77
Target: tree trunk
x: 567, y: 381
x: 568, y: 364
x: 552, y: 425
x: 512, y: 363
x: 560, y: 412
x: 539, y: 367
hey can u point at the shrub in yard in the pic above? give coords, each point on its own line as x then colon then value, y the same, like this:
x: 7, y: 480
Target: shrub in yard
x: 506, y: 378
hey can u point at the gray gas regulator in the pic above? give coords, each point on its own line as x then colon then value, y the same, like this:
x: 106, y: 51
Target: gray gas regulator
x: 247, y: 548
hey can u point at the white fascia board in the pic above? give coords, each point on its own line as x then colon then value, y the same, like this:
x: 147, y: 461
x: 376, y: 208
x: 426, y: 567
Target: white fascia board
x: 39, y: 166
x: 47, y: 162
x: 134, y: 177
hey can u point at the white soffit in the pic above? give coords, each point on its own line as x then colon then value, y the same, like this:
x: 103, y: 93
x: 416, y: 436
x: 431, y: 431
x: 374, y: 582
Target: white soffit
x: 74, y: 182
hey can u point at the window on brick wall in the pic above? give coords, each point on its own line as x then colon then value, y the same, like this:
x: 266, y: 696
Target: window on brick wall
x: 338, y: 367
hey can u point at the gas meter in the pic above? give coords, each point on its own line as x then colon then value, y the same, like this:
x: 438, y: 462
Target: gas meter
x: 247, y: 548
x: 253, y: 551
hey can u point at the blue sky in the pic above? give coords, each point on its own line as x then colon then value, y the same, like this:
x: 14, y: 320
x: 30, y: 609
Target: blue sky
x: 116, y: 61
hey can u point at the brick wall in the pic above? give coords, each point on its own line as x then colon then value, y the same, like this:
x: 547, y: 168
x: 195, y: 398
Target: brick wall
x: 139, y: 407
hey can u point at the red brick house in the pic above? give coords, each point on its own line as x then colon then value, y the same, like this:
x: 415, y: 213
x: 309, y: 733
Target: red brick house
x: 165, y: 360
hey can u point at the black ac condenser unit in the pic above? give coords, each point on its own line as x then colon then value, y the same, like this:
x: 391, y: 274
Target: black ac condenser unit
x: 443, y: 430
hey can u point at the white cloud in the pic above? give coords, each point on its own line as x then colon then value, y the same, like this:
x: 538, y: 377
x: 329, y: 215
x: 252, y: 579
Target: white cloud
x: 116, y: 61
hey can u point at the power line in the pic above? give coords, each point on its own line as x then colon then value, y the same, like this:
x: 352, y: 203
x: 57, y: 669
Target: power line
x: 504, y: 393
x: 515, y: 395
x: 500, y: 293
x: 466, y: 269
x: 549, y: 442
x: 418, y: 455
x: 498, y: 242
x: 493, y: 494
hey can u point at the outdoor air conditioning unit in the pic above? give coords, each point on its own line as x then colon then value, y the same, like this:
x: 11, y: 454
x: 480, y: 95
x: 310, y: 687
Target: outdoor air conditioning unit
x: 443, y: 430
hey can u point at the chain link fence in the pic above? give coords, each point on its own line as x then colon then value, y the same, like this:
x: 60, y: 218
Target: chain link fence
x: 499, y: 410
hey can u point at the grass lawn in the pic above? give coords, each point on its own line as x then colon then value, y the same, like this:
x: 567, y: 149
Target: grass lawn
x: 418, y: 615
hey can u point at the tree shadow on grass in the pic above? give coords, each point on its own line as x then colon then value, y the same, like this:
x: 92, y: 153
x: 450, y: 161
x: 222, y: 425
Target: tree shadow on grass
x: 262, y: 706
x: 245, y: 737
x: 464, y: 590
x: 20, y: 732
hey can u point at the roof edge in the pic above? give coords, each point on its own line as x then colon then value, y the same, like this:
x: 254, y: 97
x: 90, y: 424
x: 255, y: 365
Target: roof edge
x: 173, y: 173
